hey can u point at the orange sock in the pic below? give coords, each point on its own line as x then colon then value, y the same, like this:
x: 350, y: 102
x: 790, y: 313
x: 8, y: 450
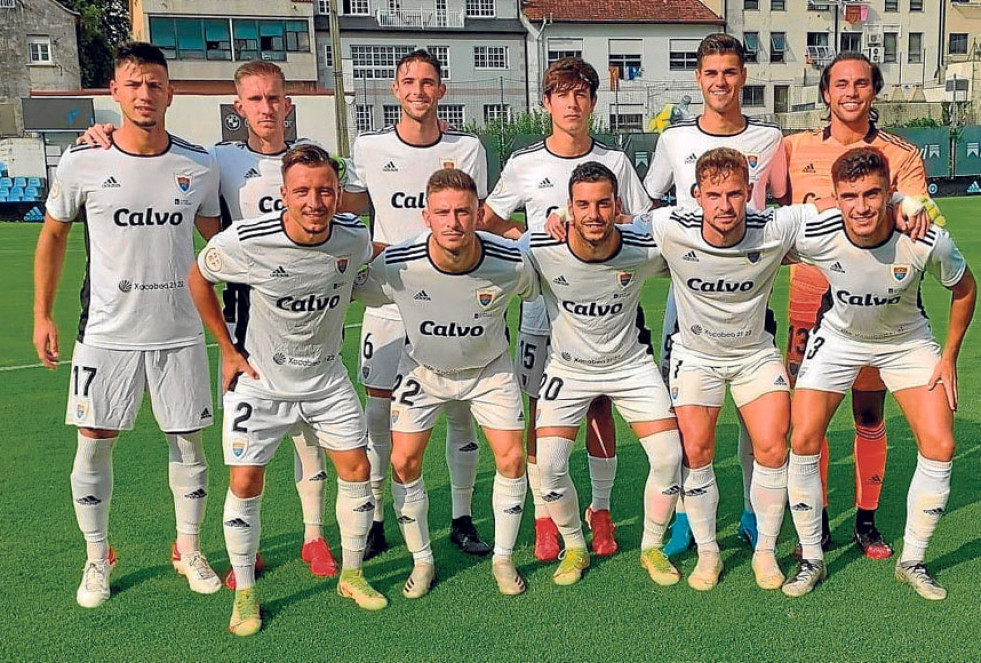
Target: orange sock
x: 870, y: 465
x: 823, y: 463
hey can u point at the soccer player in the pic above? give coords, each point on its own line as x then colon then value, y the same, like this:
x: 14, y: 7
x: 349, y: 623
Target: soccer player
x: 876, y: 319
x: 600, y: 347
x: 849, y: 85
x: 249, y: 187
x: 392, y: 166
x: 138, y: 329
x: 721, y: 75
x: 452, y: 286
x: 300, y: 265
x: 534, y: 179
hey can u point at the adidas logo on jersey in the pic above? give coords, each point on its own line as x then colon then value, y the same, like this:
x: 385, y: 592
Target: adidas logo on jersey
x: 421, y: 296
x: 88, y: 500
x: 198, y: 494
x: 364, y: 508
x: 237, y: 523
x: 545, y: 184
x: 252, y: 173
x: 390, y: 167
x: 691, y: 158
x: 560, y: 280
x: 319, y: 476
x: 279, y: 272
x: 513, y: 510
x: 809, y: 168
x: 837, y: 268
x: 690, y: 256
x: 111, y: 183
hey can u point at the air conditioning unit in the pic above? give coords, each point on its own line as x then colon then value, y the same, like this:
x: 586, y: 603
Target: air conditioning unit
x: 875, y: 39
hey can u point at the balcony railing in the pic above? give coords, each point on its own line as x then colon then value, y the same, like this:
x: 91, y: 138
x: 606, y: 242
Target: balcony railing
x: 422, y: 19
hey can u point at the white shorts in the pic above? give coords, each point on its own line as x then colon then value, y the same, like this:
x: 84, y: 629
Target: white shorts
x: 106, y: 387
x: 382, y: 340
x: 253, y: 427
x: 696, y: 380
x: 529, y: 364
x: 669, y: 327
x: 637, y: 391
x: 492, y: 392
x: 832, y: 362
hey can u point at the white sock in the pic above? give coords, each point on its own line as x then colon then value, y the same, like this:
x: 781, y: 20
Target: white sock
x: 310, y: 475
x: 462, y: 454
x: 412, y: 508
x: 806, y: 502
x: 242, y: 528
x: 188, y: 473
x: 769, y: 493
x: 91, y: 481
x: 558, y: 491
x: 379, y: 416
x: 926, y: 501
x: 702, y: 502
x: 508, y: 502
x: 602, y: 472
x: 663, y: 485
x: 746, y: 460
x: 354, y: 509
x: 535, y: 487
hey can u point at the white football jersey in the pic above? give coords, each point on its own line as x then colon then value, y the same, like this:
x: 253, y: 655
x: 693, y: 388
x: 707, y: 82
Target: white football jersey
x: 593, y: 306
x: 298, y: 298
x: 875, y: 292
x: 453, y: 322
x: 722, y: 292
x: 139, y: 228
x: 682, y: 143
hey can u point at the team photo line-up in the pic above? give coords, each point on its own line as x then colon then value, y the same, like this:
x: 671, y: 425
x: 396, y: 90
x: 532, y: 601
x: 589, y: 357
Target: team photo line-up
x: 853, y: 220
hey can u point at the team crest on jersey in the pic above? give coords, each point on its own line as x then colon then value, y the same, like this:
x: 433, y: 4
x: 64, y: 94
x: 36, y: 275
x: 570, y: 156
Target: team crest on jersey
x: 900, y: 272
x: 753, y: 160
x: 81, y: 409
x: 213, y: 260
x: 183, y: 183
x: 341, y: 264
x: 238, y: 447
x: 486, y: 297
x: 753, y: 257
x: 625, y: 278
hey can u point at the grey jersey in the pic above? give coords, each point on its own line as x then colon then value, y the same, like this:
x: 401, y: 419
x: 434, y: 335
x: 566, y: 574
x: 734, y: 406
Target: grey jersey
x: 593, y: 306
x: 722, y: 292
x: 875, y: 292
x: 299, y: 295
x: 139, y: 227
x: 454, y: 322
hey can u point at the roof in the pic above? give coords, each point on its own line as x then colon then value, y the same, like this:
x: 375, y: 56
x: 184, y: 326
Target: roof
x: 620, y: 11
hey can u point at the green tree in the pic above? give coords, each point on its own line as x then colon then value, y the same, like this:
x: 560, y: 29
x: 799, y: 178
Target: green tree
x: 103, y: 25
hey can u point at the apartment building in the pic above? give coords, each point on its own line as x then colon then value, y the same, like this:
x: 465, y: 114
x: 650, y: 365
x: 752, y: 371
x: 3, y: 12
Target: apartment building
x: 962, y: 31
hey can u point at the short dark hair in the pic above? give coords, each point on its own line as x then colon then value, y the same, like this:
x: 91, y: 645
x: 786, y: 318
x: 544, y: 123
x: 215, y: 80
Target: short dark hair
x: 310, y: 155
x: 138, y: 52
x: 593, y: 171
x: 421, y: 55
x: 860, y: 162
x: 878, y: 82
x: 720, y: 43
x: 569, y: 73
x: 450, y: 179
x: 719, y: 163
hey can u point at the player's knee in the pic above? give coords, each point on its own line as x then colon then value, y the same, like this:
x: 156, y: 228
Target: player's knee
x: 553, y: 459
x: 805, y: 442
x: 406, y: 466
x: 938, y: 446
x: 511, y: 463
x: 771, y: 452
x: 246, y: 482
x: 698, y: 451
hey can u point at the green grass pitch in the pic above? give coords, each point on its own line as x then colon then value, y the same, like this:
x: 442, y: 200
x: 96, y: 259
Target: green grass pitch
x: 616, y: 613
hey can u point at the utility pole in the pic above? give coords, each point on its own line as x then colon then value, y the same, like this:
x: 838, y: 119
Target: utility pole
x: 340, y: 101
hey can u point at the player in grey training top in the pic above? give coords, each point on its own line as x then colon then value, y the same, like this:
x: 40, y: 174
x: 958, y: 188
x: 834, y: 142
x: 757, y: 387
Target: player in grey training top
x: 139, y: 330
x: 452, y: 287
x: 300, y: 266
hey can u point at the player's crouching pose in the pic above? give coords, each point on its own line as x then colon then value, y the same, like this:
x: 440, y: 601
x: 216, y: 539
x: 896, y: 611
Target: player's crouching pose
x: 600, y: 347
x: 300, y: 265
x: 876, y: 320
x: 452, y: 286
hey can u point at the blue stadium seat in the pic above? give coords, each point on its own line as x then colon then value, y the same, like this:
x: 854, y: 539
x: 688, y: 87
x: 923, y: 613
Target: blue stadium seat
x: 4, y: 191
x: 6, y: 182
x: 31, y: 194
x: 34, y: 182
x: 15, y: 198
x: 20, y: 181
x: 17, y: 191
x: 3, y: 168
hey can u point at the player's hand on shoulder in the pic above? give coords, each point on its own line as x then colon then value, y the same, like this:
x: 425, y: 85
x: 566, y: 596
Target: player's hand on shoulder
x: 99, y: 135
x: 918, y: 213
x: 557, y: 224
x: 46, y: 342
x: 234, y: 364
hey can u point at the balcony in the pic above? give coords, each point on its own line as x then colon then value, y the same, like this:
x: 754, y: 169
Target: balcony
x: 420, y: 19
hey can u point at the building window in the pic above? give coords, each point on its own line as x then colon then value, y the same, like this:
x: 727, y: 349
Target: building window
x: 916, y: 48
x: 328, y: 56
x: 494, y: 112
x: 364, y: 117
x: 778, y: 47
x: 192, y: 38
x: 40, y: 49
x: 889, y: 46
x: 625, y: 55
x: 753, y: 95
x: 269, y: 40
x: 323, y: 7
x: 490, y: 57
x: 892, y: 5
x: 751, y: 5
x: 391, y: 114
x: 356, y: 7
x: 751, y: 40
x: 916, y: 5
x: 479, y: 8
x: 627, y: 117
x: 297, y: 37
x: 452, y: 114
x: 778, y: 5
x: 564, y: 48
x: 377, y: 61
x: 958, y: 43
x: 441, y: 53
x: 683, y: 54
x: 217, y: 39
x: 851, y: 42
x: 781, y: 98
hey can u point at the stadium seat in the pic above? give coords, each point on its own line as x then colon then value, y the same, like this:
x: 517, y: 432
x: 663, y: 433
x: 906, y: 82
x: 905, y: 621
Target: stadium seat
x: 6, y: 182
x: 34, y: 182
x: 15, y: 198
x: 3, y: 169
x: 20, y: 181
x: 31, y: 193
